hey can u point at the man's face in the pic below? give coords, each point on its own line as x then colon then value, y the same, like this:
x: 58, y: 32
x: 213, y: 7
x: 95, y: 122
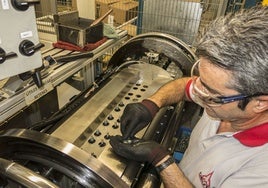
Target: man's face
x: 214, y: 81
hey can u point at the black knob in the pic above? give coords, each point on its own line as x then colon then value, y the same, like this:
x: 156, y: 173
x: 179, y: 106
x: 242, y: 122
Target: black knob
x: 105, y: 123
x: 107, y: 136
x: 117, y: 109
x: 23, y: 4
x: 4, y: 55
x: 28, y: 48
x: 91, y: 140
x: 121, y: 104
x: 97, y: 133
x: 102, y: 144
x: 110, y: 117
x: 115, y: 126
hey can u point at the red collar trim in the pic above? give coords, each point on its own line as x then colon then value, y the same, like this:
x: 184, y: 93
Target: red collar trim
x: 187, y: 89
x: 253, y: 137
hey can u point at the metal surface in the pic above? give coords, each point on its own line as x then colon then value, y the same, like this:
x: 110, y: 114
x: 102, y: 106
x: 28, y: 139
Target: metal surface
x: 91, y: 125
x: 170, y: 49
x: 169, y: 38
x: 50, y: 156
x: 23, y: 176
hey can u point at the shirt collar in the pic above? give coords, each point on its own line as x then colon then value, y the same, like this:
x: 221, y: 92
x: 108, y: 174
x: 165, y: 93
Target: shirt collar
x: 253, y: 137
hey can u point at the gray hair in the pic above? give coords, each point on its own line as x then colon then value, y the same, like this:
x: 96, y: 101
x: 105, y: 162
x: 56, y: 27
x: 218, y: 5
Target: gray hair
x: 239, y: 43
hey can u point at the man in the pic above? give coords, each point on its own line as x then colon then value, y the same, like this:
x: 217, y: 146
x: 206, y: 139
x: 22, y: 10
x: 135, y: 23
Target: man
x: 229, y: 145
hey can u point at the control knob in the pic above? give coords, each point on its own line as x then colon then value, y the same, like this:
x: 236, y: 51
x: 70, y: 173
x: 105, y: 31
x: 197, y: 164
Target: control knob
x: 23, y: 4
x: 4, y: 55
x: 28, y: 48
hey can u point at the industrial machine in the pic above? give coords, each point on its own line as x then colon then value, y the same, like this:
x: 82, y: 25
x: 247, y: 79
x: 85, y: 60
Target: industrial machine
x: 45, y: 142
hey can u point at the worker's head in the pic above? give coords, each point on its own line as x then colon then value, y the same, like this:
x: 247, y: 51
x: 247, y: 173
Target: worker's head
x: 238, y: 45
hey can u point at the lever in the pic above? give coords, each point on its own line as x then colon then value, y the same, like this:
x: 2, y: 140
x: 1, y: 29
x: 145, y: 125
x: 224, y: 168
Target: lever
x: 4, y: 55
x: 23, y: 5
x: 37, y: 78
x: 28, y: 48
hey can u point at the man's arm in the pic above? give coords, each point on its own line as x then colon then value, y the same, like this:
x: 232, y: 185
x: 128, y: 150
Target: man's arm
x: 171, y: 93
x: 155, y: 154
x: 136, y: 116
x: 173, y: 177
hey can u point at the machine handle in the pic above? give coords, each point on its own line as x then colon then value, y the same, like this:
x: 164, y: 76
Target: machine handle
x: 37, y: 78
x: 23, y: 5
x: 28, y: 48
x: 4, y: 55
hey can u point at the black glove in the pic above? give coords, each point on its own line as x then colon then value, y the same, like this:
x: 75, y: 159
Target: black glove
x: 141, y: 151
x: 136, y: 116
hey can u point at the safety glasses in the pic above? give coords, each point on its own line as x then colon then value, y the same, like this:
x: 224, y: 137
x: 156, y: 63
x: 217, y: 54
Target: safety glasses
x: 203, y: 96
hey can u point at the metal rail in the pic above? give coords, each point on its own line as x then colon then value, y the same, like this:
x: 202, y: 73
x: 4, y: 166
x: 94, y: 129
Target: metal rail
x: 14, y: 104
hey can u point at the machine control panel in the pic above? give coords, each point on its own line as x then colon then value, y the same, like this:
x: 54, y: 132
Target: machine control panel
x: 19, y: 43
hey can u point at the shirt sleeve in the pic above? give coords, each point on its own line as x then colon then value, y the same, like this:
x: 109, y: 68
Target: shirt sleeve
x: 188, y: 90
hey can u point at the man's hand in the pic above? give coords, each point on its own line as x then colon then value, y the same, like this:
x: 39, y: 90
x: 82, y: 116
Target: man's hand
x: 136, y: 116
x: 141, y: 151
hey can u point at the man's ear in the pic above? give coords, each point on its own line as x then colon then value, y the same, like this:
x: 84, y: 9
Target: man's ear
x: 261, y: 104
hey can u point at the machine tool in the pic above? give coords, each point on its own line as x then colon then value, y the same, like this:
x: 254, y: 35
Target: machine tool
x: 47, y: 143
